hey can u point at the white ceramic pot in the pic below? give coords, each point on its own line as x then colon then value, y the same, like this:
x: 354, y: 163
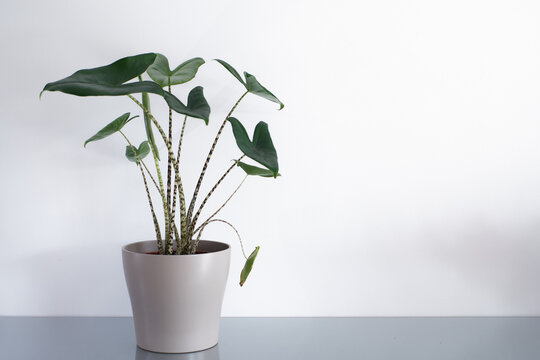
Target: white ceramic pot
x: 176, y: 299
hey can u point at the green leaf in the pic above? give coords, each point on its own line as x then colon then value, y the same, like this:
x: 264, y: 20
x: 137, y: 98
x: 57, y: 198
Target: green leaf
x: 197, y: 103
x: 254, y: 170
x: 159, y: 71
x: 141, y: 152
x: 254, y: 87
x: 114, y: 126
x: 231, y: 70
x: 248, y: 266
x: 261, y: 149
x: 109, y: 81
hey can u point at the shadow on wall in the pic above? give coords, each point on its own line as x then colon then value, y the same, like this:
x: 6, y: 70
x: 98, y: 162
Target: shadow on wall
x: 501, y: 261
x: 68, y: 281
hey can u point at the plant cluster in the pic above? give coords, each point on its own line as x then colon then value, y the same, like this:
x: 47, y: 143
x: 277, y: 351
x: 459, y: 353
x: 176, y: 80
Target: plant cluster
x: 113, y: 80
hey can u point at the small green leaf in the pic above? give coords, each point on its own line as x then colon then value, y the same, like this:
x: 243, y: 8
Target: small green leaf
x: 254, y: 170
x: 231, y: 70
x: 114, y: 126
x: 261, y: 149
x: 256, y: 88
x: 248, y: 266
x: 159, y: 71
x: 141, y: 152
x: 197, y: 103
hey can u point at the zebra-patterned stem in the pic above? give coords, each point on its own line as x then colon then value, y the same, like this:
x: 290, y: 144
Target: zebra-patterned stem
x: 178, y: 181
x: 177, y: 236
x: 199, y: 182
x: 198, y: 213
x: 173, y: 207
x: 150, y: 174
x: 196, y: 243
x: 156, y: 223
x: 221, y: 207
x: 169, y: 173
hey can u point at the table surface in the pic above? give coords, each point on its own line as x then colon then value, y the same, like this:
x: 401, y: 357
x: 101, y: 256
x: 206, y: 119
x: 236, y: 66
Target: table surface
x: 79, y: 338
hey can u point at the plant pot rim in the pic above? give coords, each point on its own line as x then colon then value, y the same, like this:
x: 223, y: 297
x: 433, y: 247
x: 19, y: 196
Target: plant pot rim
x: 220, y: 245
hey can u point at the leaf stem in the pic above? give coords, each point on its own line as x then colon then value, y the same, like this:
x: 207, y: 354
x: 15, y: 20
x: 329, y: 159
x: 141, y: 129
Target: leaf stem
x: 178, y: 181
x: 205, y: 166
x: 196, y: 217
x: 221, y: 207
x: 156, y: 223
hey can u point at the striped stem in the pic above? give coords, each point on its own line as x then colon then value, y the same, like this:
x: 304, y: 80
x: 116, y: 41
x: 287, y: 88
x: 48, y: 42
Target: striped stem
x: 198, y: 213
x: 173, y: 207
x: 156, y: 223
x: 205, y: 166
x: 221, y: 207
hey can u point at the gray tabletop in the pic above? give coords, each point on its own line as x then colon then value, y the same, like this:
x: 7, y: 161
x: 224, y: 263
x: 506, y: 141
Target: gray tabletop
x: 75, y: 338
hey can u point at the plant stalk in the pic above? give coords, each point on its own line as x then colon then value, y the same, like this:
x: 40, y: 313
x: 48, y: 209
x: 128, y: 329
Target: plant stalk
x: 205, y: 166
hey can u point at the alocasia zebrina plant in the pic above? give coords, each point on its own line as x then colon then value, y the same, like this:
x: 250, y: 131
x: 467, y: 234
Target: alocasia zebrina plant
x: 125, y: 77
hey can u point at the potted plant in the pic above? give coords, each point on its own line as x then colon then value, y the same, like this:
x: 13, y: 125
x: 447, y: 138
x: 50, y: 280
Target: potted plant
x: 176, y: 283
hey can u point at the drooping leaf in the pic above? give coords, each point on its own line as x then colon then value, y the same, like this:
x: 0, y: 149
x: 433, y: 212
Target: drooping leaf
x: 254, y: 170
x: 110, y: 81
x: 198, y: 104
x: 254, y: 87
x: 248, y: 266
x: 231, y: 70
x: 114, y: 126
x: 261, y: 149
x: 141, y: 152
x: 160, y: 72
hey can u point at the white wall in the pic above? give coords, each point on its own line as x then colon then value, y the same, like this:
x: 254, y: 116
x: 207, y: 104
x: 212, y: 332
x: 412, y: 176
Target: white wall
x: 409, y: 148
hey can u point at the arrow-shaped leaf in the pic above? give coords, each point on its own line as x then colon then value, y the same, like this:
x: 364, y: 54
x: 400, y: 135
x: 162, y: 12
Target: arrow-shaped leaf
x: 197, y: 103
x: 252, y: 85
x: 256, y: 88
x: 261, y: 149
x: 141, y: 152
x: 109, y: 81
x: 248, y: 266
x: 232, y: 71
x: 114, y: 126
x: 159, y: 71
x: 254, y: 170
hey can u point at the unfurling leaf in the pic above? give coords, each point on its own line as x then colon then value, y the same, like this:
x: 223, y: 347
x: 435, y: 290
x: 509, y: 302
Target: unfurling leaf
x: 114, y: 126
x: 261, y: 149
x: 254, y: 170
x: 139, y: 153
x: 252, y: 85
x: 110, y: 81
x: 248, y: 266
x: 159, y: 71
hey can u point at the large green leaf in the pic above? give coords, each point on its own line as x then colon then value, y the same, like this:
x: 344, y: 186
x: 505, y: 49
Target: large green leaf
x: 159, y: 71
x: 109, y: 81
x: 256, y: 88
x: 261, y: 149
x: 254, y: 170
x: 248, y: 266
x: 141, y: 152
x: 114, y: 126
x: 197, y: 103
x: 252, y: 85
